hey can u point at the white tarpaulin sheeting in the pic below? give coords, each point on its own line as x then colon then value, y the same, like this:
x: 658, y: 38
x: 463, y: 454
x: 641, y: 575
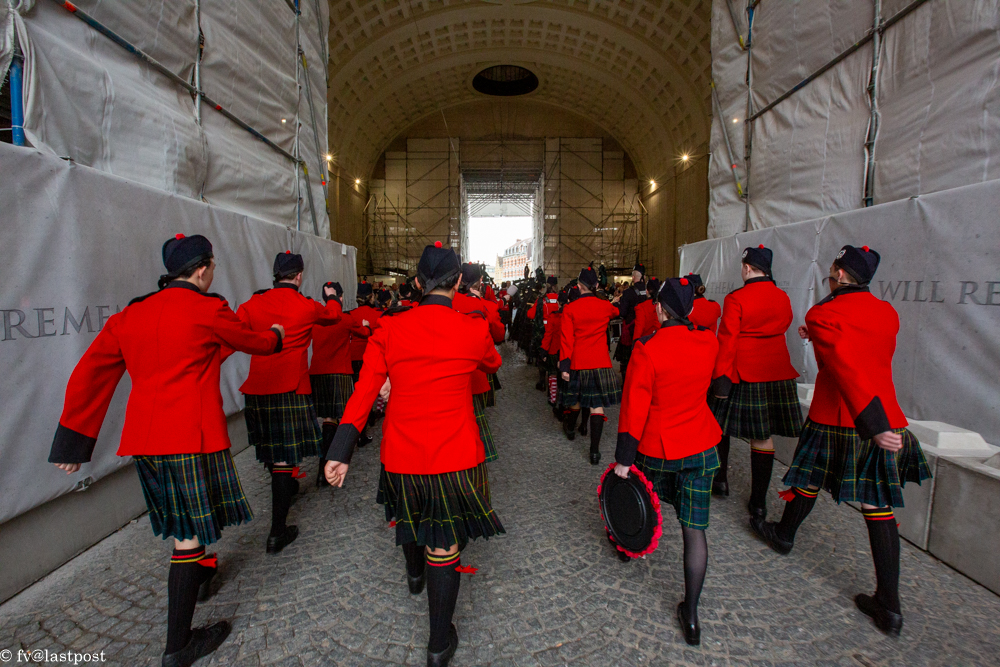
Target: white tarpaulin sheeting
x: 78, y: 245
x: 938, y: 270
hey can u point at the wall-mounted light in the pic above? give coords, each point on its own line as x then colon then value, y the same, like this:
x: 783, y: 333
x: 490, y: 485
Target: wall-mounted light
x: 736, y: 120
x: 357, y: 181
x: 284, y: 120
x: 685, y: 157
x: 329, y: 158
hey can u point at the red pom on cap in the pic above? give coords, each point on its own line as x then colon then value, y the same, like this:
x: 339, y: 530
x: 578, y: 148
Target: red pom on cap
x: 288, y: 252
x: 437, y: 244
x: 684, y: 281
x: 865, y: 248
x: 178, y: 236
x: 761, y: 246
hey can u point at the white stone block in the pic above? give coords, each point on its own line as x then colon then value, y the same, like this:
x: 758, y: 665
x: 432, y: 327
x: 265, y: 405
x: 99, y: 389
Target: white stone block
x: 947, y: 437
x: 806, y: 392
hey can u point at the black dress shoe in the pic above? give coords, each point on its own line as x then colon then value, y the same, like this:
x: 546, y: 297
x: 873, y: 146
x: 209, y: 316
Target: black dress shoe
x: 691, y: 630
x: 364, y: 440
x: 205, y: 588
x: 887, y: 621
x: 720, y: 488
x: 595, y: 458
x: 276, y: 544
x: 767, y: 531
x: 203, y: 641
x: 416, y: 584
x: 759, y: 513
x: 442, y: 658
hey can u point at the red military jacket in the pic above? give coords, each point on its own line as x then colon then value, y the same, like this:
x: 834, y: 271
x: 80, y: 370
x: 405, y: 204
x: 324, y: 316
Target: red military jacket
x: 645, y: 322
x: 854, y: 336
x: 706, y: 313
x: 172, y: 344
x: 429, y: 354
x: 360, y: 342
x: 289, y: 369
x: 553, y: 333
x: 584, y: 341
x: 752, y: 345
x: 331, y: 345
x: 472, y: 305
x: 550, y: 304
x: 664, y: 412
x: 497, y: 330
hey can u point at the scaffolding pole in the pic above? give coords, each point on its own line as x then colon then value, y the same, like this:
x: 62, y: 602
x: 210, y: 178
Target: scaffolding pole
x: 873, y: 121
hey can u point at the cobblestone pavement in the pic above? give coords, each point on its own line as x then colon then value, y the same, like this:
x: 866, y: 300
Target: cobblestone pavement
x: 550, y: 592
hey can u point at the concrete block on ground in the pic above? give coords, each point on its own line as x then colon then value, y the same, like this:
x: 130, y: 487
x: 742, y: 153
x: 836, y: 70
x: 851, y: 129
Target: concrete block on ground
x: 806, y: 392
x: 965, y: 519
x: 784, y: 448
x: 947, y: 437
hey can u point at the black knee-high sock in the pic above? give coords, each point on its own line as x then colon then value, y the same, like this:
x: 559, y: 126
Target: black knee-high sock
x: 761, y: 463
x: 723, y: 448
x: 442, y: 594
x: 282, y: 490
x: 883, y: 534
x: 569, y: 420
x: 695, y: 565
x: 795, y: 513
x: 415, y: 559
x: 596, y: 429
x: 185, y: 576
x: 584, y: 420
x: 329, y: 430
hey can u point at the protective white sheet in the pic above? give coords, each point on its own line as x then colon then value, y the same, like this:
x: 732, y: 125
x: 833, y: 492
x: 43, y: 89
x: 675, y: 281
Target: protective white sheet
x: 938, y: 270
x: 79, y: 244
x: 6, y: 39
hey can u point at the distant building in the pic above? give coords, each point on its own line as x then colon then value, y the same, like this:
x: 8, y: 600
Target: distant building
x: 513, y: 260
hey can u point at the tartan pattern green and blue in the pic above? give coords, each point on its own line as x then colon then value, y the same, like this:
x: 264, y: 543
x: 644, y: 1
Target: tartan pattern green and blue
x: 855, y: 470
x: 684, y: 483
x: 495, y: 386
x: 758, y: 410
x: 552, y: 364
x: 282, y: 427
x: 192, y: 495
x: 479, y: 407
x: 439, y: 511
x: 330, y: 393
x: 594, y: 388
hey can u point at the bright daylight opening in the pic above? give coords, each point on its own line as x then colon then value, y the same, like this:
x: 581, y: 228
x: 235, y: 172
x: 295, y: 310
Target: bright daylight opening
x: 494, y: 242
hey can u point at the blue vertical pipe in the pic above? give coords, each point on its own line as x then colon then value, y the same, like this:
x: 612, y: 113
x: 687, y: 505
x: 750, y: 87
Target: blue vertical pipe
x: 17, y: 101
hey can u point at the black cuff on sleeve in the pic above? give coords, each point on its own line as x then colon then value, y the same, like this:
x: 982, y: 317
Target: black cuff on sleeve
x: 332, y: 297
x: 626, y: 449
x: 564, y: 365
x: 721, y: 386
x: 342, y: 447
x: 70, y: 446
x: 281, y: 341
x: 872, y: 420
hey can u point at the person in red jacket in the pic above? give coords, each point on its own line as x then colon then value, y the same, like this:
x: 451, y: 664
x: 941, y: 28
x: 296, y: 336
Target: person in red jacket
x: 706, y: 312
x: 631, y: 297
x: 667, y: 430
x: 646, y: 322
x: 538, y: 314
x: 550, y: 345
x: 854, y: 443
x: 330, y: 374
x: 280, y: 415
x: 754, y: 392
x: 469, y: 302
x: 433, y: 483
x: 584, y: 360
x: 366, y: 309
x: 172, y: 343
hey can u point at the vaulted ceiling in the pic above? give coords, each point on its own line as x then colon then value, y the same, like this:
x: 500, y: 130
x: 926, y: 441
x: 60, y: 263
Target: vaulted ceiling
x: 641, y: 69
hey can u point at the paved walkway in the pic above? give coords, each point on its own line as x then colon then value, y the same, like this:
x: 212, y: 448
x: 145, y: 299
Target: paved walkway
x: 550, y: 592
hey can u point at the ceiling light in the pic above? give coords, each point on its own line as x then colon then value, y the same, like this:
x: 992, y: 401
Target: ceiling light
x: 357, y: 181
x: 685, y: 157
x: 283, y: 121
x: 329, y: 158
x: 736, y: 120
x: 652, y: 184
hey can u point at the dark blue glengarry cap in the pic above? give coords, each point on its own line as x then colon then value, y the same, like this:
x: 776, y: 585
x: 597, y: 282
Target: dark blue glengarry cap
x: 471, y: 274
x: 384, y: 296
x: 364, y: 288
x: 572, y: 294
x: 640, y: 268
x: 552, y: 280
x: 184, y: 252
x: 677, y: 297
x: 563, y: 297
x: 759, y: 258
x: 336, y: 288
x: 287, y: 264
x: 438, y: 266
x: 653, y: 286
x: 861, y: 262
x: 588, y: 277
x: 405, y: 291
x: 695, y: 280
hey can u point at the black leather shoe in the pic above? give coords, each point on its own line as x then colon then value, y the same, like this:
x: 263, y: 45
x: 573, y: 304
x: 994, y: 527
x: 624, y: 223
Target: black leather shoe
x: 720, y: 488
x: 442, y: 658
x: 203, y: 641
x: 205, y: 588
x: 595, y: 458
x: 276, y: 544
x: 416, y: 584
x: 759, y: 513
x: 691, y: 630
x: 766, y: 530
x: 364, y: 440
x: 887, y: 621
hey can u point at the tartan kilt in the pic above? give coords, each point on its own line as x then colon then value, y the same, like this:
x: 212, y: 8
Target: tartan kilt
x: 330, y: 393
x: 552, y: 364
x: 851, y: 469
x: 485, y: 434
x: 758, y: 410
x: 192, y: 495
x: 495, y: 386
x: 282, y: 427
x: 439, y: 511
x: 593, y: 388
x: 684, y: 483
